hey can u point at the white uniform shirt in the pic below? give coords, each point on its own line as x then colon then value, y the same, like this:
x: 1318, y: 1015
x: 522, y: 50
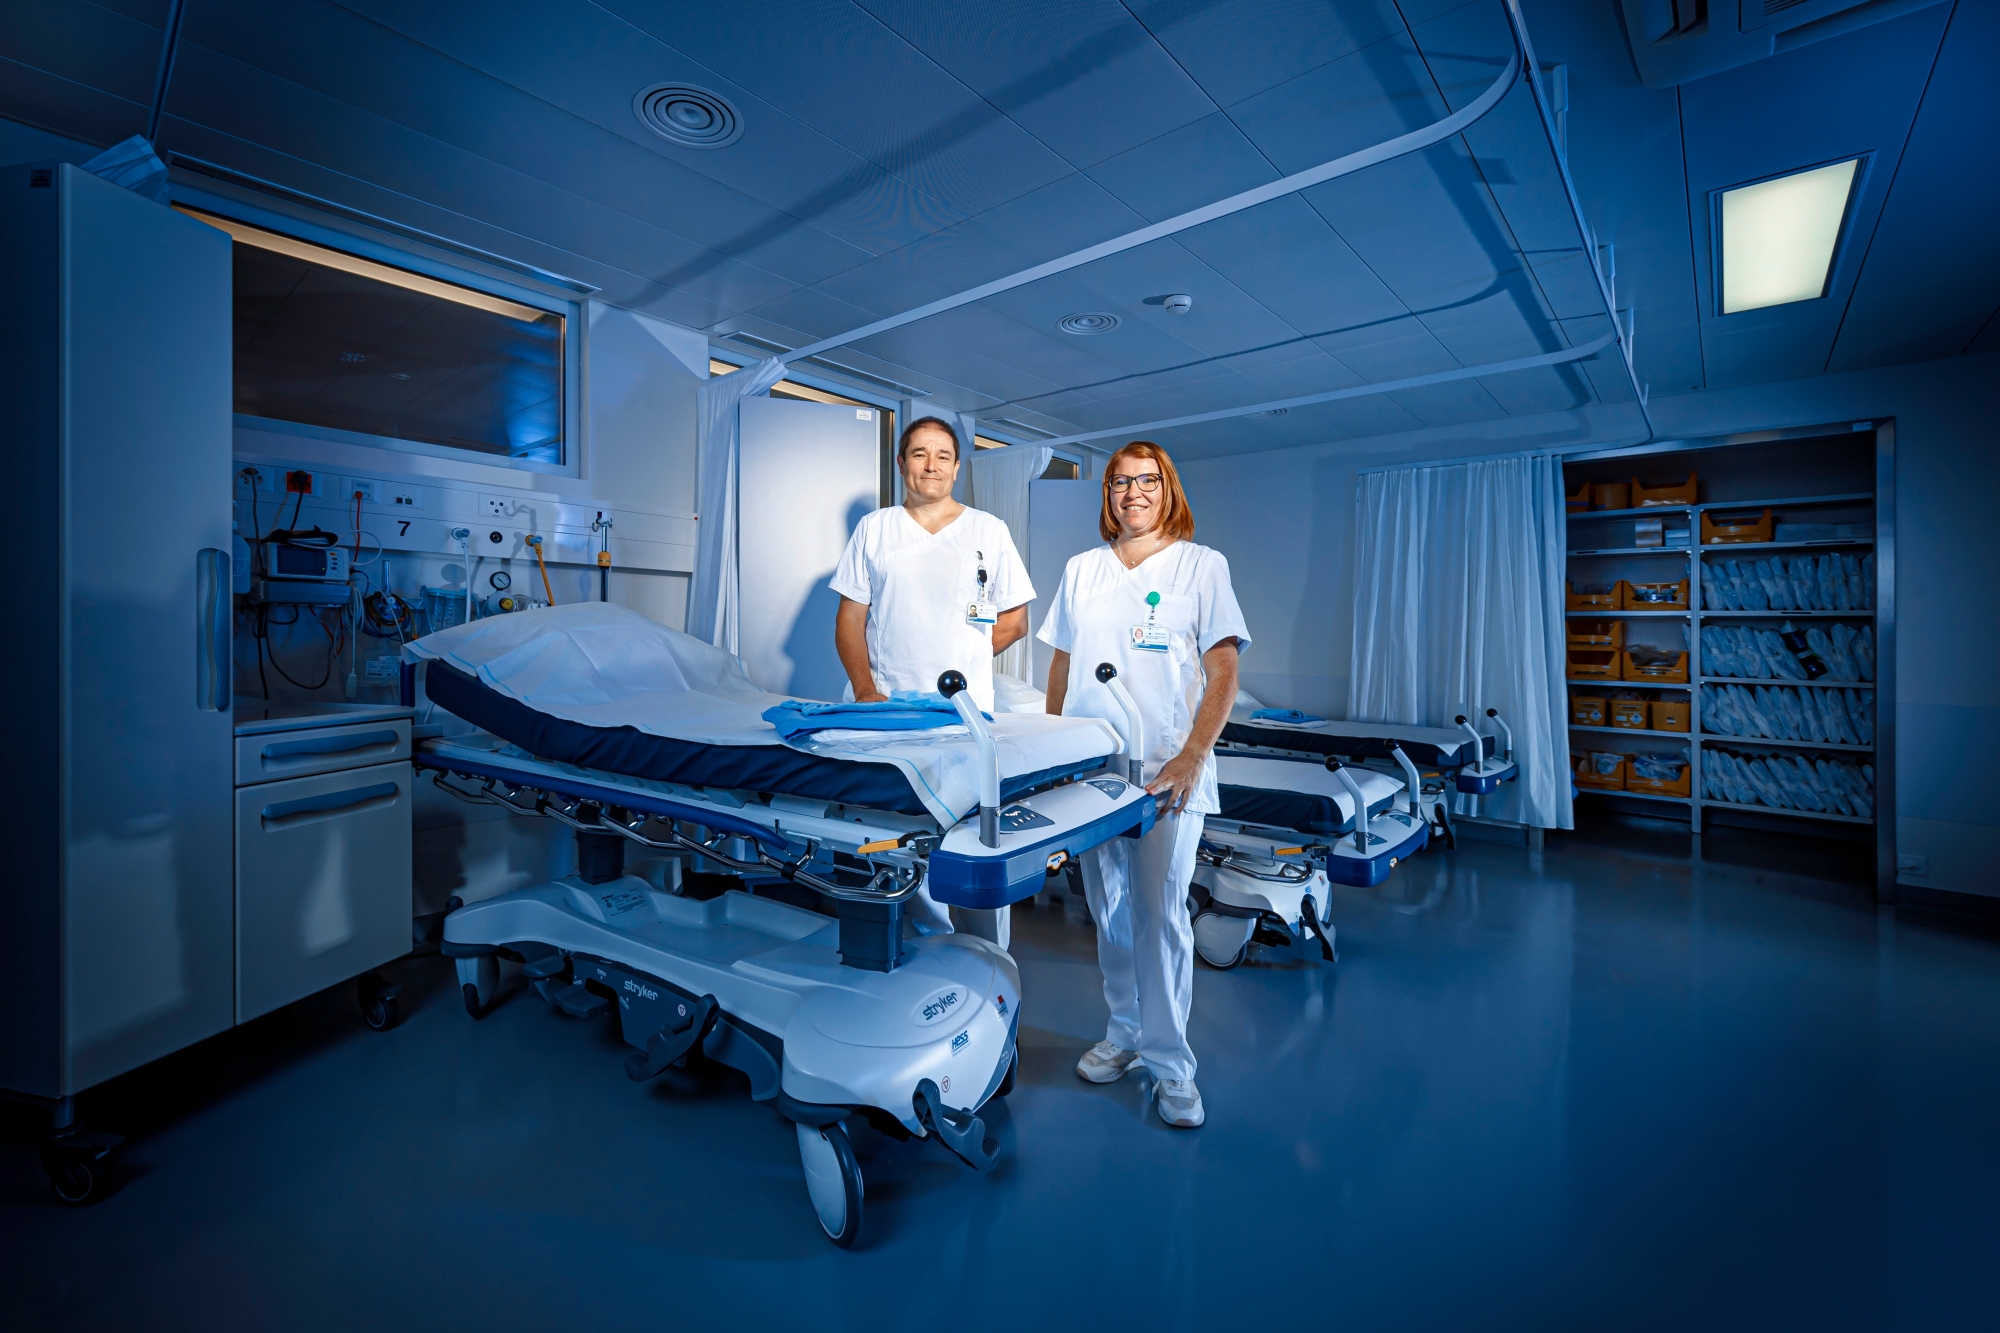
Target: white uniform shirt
x: 1094, y: 618
x: 919, y: 588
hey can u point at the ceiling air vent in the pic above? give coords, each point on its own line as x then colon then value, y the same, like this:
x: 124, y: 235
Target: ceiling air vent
x: 689, y: 116
x: 1677, y: 41
x: 1267, y: 413
x: 1094, y: 322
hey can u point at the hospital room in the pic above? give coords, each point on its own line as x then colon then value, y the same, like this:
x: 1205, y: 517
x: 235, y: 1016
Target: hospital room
x: 881, y: 664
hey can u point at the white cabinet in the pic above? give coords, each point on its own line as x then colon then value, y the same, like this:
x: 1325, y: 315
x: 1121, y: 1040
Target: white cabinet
x: 323, y: 857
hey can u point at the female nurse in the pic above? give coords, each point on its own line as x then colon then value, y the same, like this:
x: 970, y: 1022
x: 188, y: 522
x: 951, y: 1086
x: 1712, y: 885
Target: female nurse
x: 1160, y: 609
x: 930, y: 586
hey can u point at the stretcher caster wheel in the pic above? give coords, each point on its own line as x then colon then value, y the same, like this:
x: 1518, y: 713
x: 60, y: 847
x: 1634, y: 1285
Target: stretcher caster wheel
x: 381, y: 1007
x: 478, y: 982
x: 1222, y: 941
x: 833, y: 1180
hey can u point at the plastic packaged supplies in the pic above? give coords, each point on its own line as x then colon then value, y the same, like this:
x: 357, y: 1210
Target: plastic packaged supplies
x: 1782, y: 712
x: 1821, y: 784
x: 1666, y: 767
x: 1833, y: 581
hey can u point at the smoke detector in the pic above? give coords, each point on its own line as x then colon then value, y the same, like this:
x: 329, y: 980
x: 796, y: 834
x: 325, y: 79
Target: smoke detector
x: 1096, y: 321
x: 1178, y: 304
x: 689, y: 116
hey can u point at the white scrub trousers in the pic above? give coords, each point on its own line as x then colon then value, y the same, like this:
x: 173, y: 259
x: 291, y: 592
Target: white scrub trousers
x: 1137, y: 890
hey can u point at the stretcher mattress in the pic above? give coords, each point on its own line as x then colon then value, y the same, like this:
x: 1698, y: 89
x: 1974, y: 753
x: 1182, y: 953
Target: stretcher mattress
x: 1427, y: 747
x: 602, y: 687
x: 1296, y: 794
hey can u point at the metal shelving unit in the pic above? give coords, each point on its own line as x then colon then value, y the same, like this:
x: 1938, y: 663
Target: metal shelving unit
x: 1689, y: 557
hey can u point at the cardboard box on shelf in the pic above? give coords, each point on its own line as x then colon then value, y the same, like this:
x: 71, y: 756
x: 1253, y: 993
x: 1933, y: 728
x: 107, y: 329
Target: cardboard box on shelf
x: 1598, y: 770
x: 1629, y: 713
x: 1586, y: 710
x: 1597, y: 634
x: 1724, y: 529
x: 1670, y: 714
x: 1683, y: 494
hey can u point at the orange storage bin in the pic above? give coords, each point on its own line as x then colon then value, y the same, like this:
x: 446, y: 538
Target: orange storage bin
x: 1669, y: 714
x: 1681, y: 786
x: 1587, y: 710
x: 1644, y: 495
x: 1611, y: 495
x: 1594, y: 664
x: 1593, y: 601
x: 1723, y: 529
x: 1673, y: 673
x: 1597, y: 634
x: 1629, y: 713
x: 1579, y: 501
x: 1653, y: 596
x: 1597, y: 770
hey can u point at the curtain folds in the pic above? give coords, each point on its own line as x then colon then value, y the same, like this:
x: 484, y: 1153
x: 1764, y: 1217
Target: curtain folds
x: 714, y: 612
x: 1458, y: 608
x: 1000, y: 480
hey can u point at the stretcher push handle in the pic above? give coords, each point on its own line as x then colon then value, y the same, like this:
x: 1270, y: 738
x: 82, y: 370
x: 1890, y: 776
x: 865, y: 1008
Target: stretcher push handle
x: 1505, y: 731
x: 1478, y: 742
x: 952, y: 686
x: 1135, y: 730
x: 1360, y: 803
x: 1412, y: 784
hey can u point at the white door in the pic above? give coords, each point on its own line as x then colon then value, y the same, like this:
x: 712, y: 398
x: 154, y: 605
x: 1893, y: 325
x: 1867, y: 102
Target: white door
x: 1062, y: 522
x: 809, y: 474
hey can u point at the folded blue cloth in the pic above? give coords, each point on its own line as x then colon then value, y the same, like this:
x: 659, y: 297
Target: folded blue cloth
x: 905, y: 710
x: 1289, y: 716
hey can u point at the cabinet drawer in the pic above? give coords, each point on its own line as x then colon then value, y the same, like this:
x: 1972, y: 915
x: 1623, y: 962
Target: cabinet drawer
x: 294, y: 754
x: 322, y: 882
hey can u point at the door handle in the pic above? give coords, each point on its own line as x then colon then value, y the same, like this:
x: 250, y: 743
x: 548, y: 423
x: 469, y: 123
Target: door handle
x: 213, y: 664
x: 361, y: 740
x: 311, y: 809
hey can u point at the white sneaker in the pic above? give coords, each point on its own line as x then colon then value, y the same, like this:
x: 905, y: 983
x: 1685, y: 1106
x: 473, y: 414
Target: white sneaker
x: 1180, y: 1102
x: 1105, y: 1063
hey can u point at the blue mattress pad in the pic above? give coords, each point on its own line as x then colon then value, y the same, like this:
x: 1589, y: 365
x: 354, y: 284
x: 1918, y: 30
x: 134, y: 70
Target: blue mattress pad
x: 773, y: 769
x: 1328, y: 741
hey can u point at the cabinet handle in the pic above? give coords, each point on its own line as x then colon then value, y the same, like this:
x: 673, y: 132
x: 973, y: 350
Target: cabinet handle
x: 311, y: 809
x: 360, y: 740
x: 213, y: 664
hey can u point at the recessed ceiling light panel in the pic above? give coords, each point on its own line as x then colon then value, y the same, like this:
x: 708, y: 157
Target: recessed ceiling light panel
x: 1779, y: 236
x: 689, y: 116
x: 1094, y: 322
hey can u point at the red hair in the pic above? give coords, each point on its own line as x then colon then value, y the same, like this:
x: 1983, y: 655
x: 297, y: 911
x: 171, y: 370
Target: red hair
x: 1177, y: 523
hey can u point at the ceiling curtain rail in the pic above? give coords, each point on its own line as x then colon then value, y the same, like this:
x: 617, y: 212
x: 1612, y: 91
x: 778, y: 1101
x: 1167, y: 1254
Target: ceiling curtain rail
x: 170, y: 42
x: 1400, y: 146
x: 1622, y: 330
x: 1556, y: 358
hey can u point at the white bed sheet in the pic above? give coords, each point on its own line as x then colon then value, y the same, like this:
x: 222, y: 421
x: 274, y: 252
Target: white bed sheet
x: 605, y: 665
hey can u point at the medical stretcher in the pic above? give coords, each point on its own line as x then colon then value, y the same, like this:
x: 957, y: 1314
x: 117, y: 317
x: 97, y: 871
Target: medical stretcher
x: 828, y: 1017
x: 1459, y: 758
x: 1289, y: 828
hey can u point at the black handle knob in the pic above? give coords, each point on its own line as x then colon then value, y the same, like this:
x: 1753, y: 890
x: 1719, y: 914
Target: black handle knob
x: 950, y: 683
x: 1333, y: 764
x: 1106, y: 673
x: 1460, y: 719
x: 1492, y: 712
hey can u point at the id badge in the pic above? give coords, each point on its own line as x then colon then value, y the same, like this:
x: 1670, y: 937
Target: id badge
x: 980, y: 613
x: 1151, y: 638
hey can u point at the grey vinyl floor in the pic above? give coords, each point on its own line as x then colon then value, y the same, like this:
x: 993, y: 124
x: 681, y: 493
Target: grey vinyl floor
x: 1603, y: 1085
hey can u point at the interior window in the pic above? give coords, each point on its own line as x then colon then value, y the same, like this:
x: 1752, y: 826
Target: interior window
x: 329, y: 339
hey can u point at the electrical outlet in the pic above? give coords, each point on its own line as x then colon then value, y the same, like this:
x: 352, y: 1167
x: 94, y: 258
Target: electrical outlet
x: 301, y: 482
x: 494, y: 506
x: 402, y: 497
x: 367, y: 488
x: 1908, y: 863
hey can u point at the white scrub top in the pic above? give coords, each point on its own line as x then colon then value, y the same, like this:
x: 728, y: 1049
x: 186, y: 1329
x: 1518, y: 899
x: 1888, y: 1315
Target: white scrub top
x: 918, y: 588
x: 1093, y: 618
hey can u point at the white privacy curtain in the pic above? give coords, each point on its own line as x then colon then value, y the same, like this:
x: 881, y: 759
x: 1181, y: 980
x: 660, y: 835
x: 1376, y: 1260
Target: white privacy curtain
x: 1000, y: 480
x: 1458, y: 608
x: 715, y: 600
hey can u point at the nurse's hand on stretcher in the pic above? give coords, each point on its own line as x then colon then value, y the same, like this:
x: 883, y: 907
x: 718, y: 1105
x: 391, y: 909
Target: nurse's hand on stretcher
x: 1177, y: 778
x: 871, y: 697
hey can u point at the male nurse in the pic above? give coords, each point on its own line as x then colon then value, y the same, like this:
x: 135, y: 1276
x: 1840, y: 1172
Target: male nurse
x: 930, y: 586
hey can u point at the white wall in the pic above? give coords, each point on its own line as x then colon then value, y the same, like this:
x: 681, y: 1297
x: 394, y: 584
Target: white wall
x: 1285, y: 521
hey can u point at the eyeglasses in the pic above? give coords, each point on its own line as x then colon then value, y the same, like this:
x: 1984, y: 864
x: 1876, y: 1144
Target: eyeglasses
x: 1147, y: 482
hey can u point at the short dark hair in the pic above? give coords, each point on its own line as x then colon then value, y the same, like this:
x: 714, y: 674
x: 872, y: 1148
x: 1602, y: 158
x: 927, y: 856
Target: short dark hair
x: 921, y: 423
